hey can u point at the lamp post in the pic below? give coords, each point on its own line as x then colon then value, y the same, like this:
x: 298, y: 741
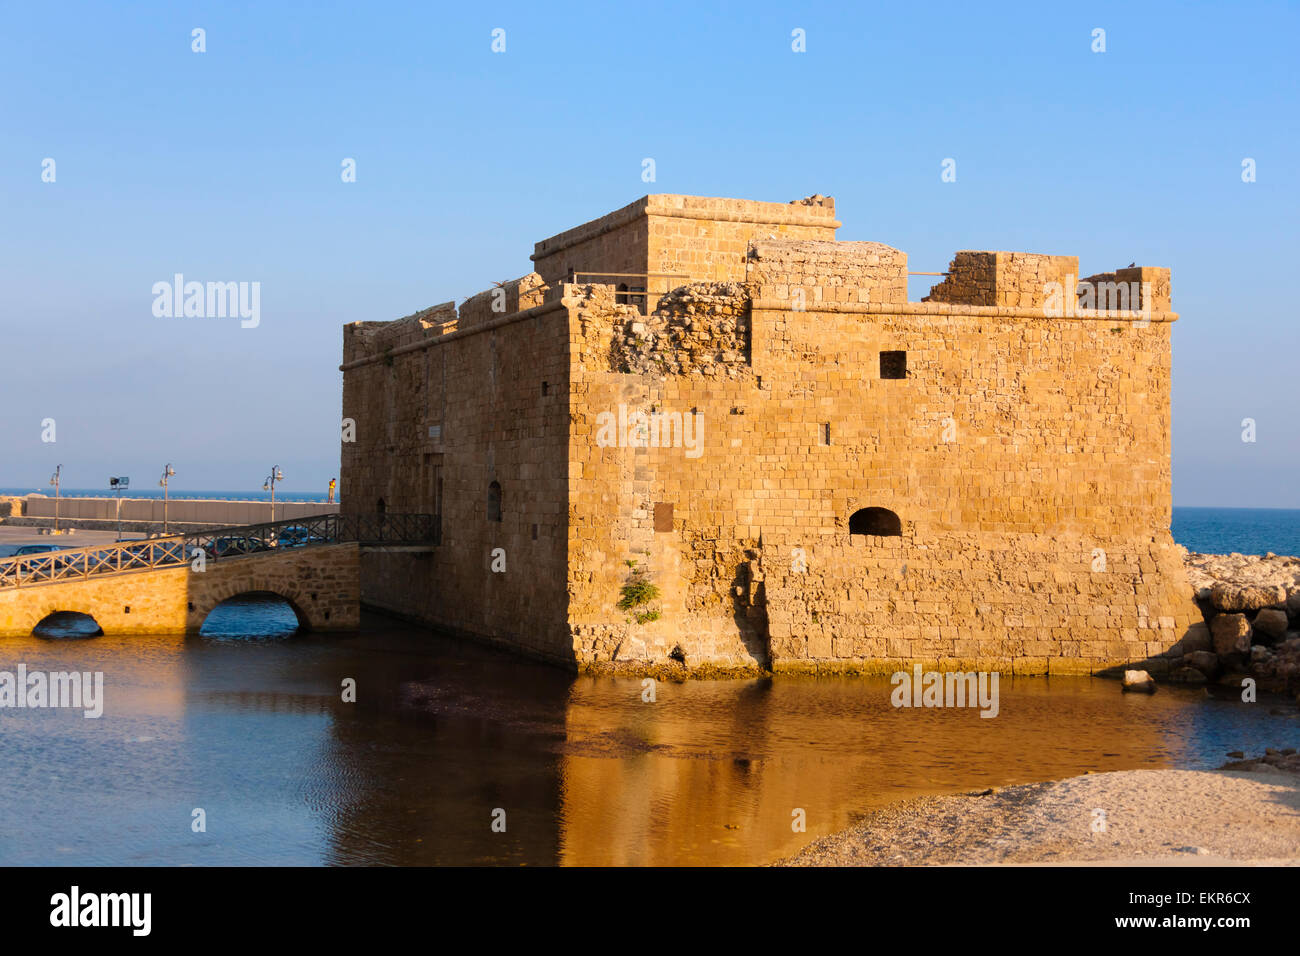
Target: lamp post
x: 167, y: 473
x: 117, y: 484
x: 54, y: 480
x: 269, y: 485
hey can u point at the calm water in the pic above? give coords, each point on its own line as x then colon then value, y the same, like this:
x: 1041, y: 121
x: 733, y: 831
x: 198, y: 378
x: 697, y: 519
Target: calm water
x: 252, y: 729
x: 1245, y: 530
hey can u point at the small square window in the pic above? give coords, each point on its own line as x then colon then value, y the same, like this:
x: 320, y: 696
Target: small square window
x: 893, y: 365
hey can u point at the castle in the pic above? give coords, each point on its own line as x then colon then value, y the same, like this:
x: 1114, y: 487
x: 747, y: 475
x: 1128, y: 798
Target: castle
x: 704, y: 430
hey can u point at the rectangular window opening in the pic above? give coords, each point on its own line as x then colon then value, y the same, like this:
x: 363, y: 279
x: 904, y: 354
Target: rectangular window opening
x: 893, y: 365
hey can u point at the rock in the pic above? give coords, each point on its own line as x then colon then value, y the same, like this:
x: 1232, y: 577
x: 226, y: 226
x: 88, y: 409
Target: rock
x: 1139, y: 682
x: 1231, y: 633
x: 1232, y: 597
x: 1197, y: 638
x: 1203, y: 661
x: 1293, y: 603
x: 1270, y: 623
x: 1232, y: 680
x: 1236, y: 753
x: 1259, y: 654
x: 1187, y: 675
x: 632, y: 649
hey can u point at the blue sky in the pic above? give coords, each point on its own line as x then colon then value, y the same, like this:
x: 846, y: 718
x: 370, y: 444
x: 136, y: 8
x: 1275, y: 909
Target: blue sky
x: 225, y: 165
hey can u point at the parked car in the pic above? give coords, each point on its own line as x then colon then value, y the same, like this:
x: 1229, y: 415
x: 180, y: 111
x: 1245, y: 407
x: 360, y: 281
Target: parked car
x: 10, y: 570
x: 36, y: 549
x: 295, y: 536
x: 234, y: 545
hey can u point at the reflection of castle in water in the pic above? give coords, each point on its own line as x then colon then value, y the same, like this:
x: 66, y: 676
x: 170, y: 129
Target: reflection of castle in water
x: 711, y: 772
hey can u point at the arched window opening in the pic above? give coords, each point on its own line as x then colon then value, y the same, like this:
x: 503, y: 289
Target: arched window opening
x: 877, y: 521
x: 494, y: 502
x: 380, y: 507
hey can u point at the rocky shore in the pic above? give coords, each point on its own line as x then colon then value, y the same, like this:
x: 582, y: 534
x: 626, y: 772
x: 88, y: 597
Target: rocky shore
x: 1251, y: 605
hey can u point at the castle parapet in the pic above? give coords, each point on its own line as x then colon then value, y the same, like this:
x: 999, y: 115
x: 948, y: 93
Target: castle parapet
x: 809, y: 272
x: 1009, y: 279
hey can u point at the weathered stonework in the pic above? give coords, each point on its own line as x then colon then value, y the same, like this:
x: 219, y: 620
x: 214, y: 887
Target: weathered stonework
x: 1023, y: 457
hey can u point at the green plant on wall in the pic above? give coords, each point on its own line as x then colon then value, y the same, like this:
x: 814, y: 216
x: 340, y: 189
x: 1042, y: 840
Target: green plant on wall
x: 638, y: 592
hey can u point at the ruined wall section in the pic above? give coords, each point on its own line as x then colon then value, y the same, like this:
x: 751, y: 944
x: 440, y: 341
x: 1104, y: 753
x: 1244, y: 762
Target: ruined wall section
x: 1123, y: 290
x: 1007, y: 279
x: 703, y: 327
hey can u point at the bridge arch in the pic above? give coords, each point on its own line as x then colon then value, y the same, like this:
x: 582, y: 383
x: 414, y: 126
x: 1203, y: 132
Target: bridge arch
x: 302, y: 604
x: 254, y: 613
x: 67, y: 624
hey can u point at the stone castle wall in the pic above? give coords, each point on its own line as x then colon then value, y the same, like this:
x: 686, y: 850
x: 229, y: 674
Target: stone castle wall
x: 1026, y: 456
x: 442, y: 414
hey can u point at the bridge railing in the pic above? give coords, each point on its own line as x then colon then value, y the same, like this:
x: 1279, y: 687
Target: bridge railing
x: 219, y: 543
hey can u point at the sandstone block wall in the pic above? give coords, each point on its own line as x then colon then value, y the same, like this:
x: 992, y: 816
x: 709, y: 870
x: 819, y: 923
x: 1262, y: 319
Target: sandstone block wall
x: 1025, y: 458
x: 437, y: 425
x: 694, y: 237
x: 807, y: 273
x: 1014, y: 279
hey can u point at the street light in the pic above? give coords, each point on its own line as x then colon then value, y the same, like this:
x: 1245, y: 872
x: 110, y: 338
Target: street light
x: 269, y: 485
x: 54, y: 480
x: 118, y: 485
x: 167, y: 473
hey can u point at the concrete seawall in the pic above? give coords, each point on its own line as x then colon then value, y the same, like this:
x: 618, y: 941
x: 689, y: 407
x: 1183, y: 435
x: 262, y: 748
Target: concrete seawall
x: 146, y: 514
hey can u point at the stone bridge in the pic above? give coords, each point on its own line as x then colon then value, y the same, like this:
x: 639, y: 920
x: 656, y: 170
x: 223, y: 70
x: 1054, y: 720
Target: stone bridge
x: 170, y: 585
x: 321, y: 584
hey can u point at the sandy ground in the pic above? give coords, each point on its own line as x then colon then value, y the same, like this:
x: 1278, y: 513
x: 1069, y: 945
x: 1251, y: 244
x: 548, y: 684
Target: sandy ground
x: 1164, y: 817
